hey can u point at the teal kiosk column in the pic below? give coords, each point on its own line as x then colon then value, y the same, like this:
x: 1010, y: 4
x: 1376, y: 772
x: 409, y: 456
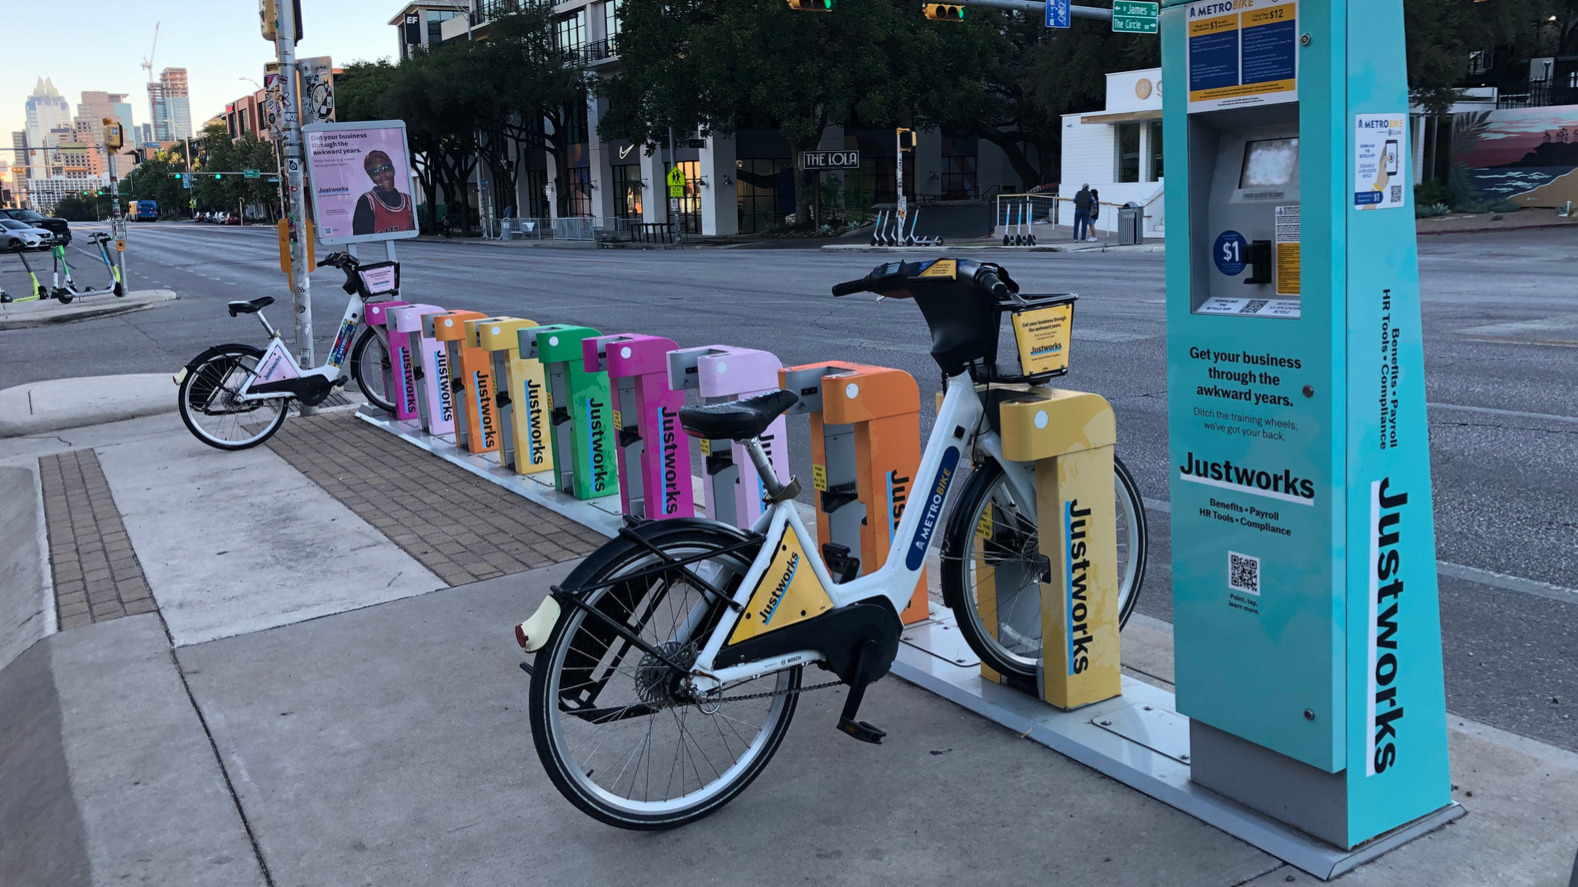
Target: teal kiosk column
x: 1308, y: 637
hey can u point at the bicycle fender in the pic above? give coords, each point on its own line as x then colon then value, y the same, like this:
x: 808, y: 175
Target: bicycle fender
x: 652, y: 532
x: 533, y: 633
x: 215, y: 351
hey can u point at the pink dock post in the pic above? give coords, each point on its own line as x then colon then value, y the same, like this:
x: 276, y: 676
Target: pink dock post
x: 378, y: 315
x: 654, y: 453
x: 720, y: 373
x: 410, y: 371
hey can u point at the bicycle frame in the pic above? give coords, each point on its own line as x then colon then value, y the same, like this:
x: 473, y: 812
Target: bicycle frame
x: 279, y: 365
x: 946, y: 457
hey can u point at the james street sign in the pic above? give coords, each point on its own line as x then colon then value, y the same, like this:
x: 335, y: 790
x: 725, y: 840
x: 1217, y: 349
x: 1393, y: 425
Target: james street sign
x: 1136, y: 17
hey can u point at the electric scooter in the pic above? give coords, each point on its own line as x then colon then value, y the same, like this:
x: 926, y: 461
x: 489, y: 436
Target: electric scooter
x: 38, y: 290
x: 69, y: 291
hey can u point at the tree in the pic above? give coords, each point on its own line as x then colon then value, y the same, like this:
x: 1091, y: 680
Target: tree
x: 718, y: 65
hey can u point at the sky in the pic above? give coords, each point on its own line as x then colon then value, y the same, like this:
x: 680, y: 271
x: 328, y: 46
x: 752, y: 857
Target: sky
x: 217, y: 41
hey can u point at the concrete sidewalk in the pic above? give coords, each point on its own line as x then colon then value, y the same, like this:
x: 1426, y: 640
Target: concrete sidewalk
x: 24, y: 315
x: 326, y: 691
x: 53, y: 405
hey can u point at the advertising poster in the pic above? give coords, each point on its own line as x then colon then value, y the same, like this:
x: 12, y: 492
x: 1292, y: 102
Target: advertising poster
x: 360, y: 181
x: 1242, y: 53
x: 1379, y: 175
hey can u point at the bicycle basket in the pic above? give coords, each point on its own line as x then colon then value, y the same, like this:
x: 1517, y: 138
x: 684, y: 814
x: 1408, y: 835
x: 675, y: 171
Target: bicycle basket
x: 1034, y: 346
x: 380, y: 279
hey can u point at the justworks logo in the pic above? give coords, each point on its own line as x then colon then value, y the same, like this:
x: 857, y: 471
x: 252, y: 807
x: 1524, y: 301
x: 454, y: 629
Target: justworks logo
x: 1274, y: 484
x: 534, y: 420
x: 1386, y: 590
x: 670, y: 420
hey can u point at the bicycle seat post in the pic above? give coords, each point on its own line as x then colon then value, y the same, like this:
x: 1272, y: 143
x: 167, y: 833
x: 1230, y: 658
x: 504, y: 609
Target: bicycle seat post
x: 771, y: 482
x: 267, y: 327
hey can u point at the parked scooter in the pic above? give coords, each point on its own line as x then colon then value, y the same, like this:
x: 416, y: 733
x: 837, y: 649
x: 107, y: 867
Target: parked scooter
x: 70, y: 291
x: 38, y: 289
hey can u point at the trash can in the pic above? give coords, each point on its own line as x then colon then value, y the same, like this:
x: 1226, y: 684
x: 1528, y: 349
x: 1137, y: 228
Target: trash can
x: 507, y: 229
x: 1131, y: 224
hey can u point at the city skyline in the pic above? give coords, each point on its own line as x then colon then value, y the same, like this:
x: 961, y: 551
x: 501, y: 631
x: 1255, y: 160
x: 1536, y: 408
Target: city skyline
x: 349, y: 30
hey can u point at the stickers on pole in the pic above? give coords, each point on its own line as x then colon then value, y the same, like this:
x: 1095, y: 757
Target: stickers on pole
x: 1379, y: 174
x: 1242, y: 53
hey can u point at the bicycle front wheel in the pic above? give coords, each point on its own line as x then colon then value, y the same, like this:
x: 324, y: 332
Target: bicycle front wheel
x: 372, y: 368
x: 617, y: 731
x: 208, y: 405
x: 992, y: 567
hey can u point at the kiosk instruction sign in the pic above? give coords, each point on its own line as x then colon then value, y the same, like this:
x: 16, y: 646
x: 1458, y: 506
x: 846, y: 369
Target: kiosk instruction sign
x: 1242, y: 53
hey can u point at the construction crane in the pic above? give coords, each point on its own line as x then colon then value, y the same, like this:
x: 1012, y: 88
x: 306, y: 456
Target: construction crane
x: 147, y: 63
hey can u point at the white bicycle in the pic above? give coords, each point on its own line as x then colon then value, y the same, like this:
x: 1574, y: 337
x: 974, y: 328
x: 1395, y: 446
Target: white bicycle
x: 668, y: 663
x: 235, y: 396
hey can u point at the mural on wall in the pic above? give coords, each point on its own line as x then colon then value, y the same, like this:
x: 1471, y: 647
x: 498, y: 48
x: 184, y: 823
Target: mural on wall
x: 1526, y: 155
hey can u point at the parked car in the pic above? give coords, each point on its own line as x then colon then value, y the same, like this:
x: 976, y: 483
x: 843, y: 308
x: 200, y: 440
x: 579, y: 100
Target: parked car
x: 58, y: 228
x: 14, y: 234
x: 232, y: 218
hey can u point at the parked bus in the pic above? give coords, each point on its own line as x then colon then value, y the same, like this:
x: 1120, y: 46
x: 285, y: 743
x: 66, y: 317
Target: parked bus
x: 142, y: 210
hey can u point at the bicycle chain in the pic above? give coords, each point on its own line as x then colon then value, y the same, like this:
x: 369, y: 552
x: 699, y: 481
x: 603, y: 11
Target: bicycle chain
x: 770, y: 693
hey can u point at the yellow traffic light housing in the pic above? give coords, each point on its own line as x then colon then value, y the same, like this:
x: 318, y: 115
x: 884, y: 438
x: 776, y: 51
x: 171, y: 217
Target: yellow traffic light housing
x: 813, y: 5
x: 945, y: 12
x: 906, y: 139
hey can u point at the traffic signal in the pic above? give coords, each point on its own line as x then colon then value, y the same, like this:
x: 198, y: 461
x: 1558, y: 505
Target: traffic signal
x: 814, y: 5
x: 216, y: 176
x: 177, y: 177
x: 945, y: 12
x: 906, y: 139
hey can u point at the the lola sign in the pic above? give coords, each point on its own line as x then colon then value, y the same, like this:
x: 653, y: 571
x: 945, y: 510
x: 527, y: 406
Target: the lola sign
x: 831, y: 159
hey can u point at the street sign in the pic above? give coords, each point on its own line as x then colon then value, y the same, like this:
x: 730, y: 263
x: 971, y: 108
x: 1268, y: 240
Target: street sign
x: 676, y: 183
x: 830, y: 159
x: 1058, y: 14
x: 1136, y: 17
x: 251, y: 173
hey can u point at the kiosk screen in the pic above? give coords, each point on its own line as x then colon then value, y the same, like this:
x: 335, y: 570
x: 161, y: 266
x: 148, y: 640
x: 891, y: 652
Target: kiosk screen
x: 1269, y: 163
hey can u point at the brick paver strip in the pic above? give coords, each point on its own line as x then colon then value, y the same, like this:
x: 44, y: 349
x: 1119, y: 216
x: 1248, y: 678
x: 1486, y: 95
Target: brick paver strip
x: 459, y: 526
x: 96, y: 572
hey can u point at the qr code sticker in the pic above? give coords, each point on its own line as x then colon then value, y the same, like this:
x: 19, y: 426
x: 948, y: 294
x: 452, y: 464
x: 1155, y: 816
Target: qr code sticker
x: 1243, y: 573
x: 1253, y: 306
x: 1397, y: 193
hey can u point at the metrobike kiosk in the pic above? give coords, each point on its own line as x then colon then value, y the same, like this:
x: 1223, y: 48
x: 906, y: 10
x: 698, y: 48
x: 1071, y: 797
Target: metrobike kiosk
x: 404, y: 325
x: 476, y: 428
x: 522, y: 395
x: 865, y: 449
x: 654, y: 452
x: 437, y: 391
x: 1308, y: 639
x: 378, y: 314
x: 580, y: 408
x: 720, y: 373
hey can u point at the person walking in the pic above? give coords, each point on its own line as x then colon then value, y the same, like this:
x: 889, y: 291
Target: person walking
x: 1095, y: 213
x: 1083, y: 201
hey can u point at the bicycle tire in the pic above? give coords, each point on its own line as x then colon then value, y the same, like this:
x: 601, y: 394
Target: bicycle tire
x: 211, y: 369
x: 562, y: 663
x: 1023, y: 607
x: 374, y: 387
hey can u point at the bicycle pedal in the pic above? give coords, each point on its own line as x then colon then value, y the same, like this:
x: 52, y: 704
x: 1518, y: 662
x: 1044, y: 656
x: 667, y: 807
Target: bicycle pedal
x: 861, y: 730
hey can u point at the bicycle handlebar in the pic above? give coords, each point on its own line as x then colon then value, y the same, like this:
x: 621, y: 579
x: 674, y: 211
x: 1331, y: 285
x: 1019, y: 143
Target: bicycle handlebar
x: 899, y: 280
x: 850, y: 287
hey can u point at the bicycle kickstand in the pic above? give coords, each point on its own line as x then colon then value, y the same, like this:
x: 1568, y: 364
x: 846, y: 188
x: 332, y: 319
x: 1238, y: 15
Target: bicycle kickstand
x: 860, y: 680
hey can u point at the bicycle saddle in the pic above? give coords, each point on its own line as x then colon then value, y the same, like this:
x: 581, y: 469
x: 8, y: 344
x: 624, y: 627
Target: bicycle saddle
x: 737, y: 420
x: 251, y: 307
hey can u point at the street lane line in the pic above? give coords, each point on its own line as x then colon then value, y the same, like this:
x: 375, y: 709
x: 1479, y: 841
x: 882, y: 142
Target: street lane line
x: 1543, y: 417
x: 1498, y: 340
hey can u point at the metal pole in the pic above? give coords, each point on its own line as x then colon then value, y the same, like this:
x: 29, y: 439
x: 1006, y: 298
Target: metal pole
x: 898, y: 175
x: 300, y: 287
x: 673, y: 202
x: 117, y: 225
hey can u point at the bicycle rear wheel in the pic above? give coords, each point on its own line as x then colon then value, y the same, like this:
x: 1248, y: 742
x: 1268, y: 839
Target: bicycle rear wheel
x: 992, y: 567
x: 371, y: 368
x: 208, y: 405
x: 616, y: 731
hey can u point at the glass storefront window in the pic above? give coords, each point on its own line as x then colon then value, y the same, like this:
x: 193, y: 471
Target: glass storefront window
x: 579, y: 181
x: 1156, y: 152
x: 766, y: 193
x: 1128, y: 153
x: 626, y: 182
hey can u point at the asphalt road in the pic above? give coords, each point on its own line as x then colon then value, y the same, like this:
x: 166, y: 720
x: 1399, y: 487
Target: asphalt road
x: 1501, y: 325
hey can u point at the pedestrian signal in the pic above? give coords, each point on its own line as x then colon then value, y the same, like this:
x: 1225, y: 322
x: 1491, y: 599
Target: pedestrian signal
x: 945, y: 12
x: 814, y: 5
x: 906, y: 139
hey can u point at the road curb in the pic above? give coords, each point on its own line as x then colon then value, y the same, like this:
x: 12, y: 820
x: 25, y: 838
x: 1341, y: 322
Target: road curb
x: 979, y: 247
x: 41, y: 407
x: 27, y: 315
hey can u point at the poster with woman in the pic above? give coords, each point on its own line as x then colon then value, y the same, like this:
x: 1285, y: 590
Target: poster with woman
x: 359, y: 181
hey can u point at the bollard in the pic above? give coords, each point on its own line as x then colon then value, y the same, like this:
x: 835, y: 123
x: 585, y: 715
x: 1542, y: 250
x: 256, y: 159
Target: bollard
x: 377, y: 314
x: 522, y: 397
x: 1069, y: 436
x: 437, y: 391
x: 476, y: 427
x: 719, y: 373
x: 654, y: 481
x: 404, y: 324
x: 580, y: 410
x: 865, y: 449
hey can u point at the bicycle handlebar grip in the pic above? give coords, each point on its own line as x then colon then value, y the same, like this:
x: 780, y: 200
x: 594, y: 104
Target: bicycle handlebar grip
x: 992, y: 284
x: 850, y: 287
